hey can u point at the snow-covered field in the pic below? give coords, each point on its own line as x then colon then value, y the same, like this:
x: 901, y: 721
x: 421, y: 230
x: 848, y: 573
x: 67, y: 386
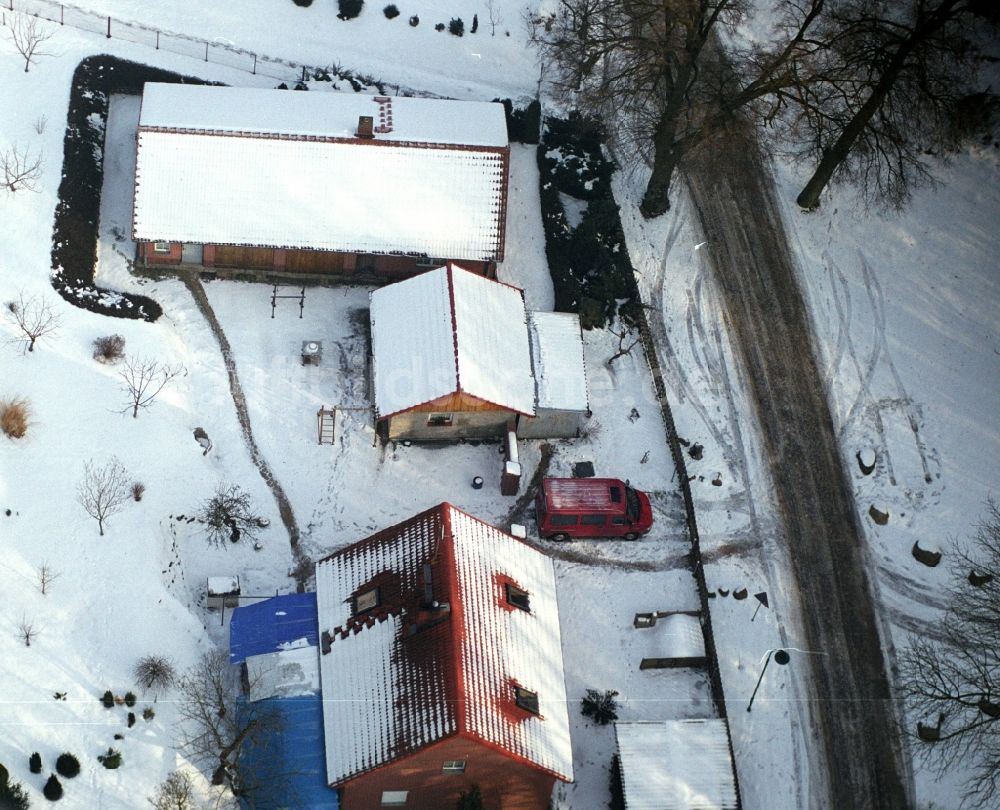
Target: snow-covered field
x: 905, y: 309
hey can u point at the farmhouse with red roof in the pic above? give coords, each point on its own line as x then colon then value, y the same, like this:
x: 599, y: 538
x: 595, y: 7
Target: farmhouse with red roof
x: 310, y: 183
x: 441, y: 667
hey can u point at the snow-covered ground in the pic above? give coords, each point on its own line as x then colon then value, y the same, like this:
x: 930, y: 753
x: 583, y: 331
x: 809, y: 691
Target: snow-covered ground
x: 906, y: 315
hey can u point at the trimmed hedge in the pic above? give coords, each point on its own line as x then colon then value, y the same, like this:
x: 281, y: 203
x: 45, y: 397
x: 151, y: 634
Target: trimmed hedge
x: 67, y: 765
x: 523, y: 125
x: 74, y: 237
x: 590, y: 266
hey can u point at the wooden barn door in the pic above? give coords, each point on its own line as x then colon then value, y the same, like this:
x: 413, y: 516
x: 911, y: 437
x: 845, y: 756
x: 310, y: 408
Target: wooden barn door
x: 250, y: 257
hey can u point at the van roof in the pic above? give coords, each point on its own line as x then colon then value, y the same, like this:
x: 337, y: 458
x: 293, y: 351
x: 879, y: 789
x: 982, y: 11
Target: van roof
x: 591, y: 494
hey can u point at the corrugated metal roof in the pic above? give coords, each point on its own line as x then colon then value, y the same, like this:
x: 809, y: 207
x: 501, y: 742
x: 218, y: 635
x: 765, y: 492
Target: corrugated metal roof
x: 557, y: 358
x: 448, y: 330
x: 391, y: 677
x: 272, y: 625
x: 676, y: 765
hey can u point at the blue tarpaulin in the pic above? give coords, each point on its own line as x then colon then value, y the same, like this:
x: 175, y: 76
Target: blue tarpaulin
x: 265, y: 626
x: 285, y: 766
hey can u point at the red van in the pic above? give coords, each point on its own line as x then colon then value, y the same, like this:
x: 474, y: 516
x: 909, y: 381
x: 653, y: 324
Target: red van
x: 591, y: 507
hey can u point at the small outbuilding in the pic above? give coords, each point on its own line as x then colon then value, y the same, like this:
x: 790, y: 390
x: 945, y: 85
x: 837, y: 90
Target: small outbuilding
x: 453, y: 357
x: 677, y: 765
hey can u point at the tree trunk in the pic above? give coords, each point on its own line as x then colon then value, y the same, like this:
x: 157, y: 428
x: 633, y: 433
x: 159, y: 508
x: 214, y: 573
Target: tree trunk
x: 100, y: 526
x: 832, y: 158
x: 656, y: 200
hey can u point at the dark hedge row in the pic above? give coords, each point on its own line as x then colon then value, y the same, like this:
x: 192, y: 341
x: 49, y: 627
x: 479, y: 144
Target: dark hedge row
x: 74, y: 239
x: 591, y: 270
x: 523, y: 125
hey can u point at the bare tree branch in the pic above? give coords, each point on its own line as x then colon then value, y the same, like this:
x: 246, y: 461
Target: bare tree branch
x: 33, y: 317
x: 143, y: 381
x: 28, y: 35
x: 46, y: 576
x: 26, y: 631
x: 104, y: 490
x: 21, y: 169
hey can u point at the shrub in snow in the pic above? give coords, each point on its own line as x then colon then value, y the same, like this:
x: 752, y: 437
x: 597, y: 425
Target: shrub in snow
x: 176, y: 792
x: 109, y: 349
x: 12, y: 795
x: 67, y: 765
x: 154, y: 672
x: 131, y: 719
x: 53, y: 789
x: 14, y: 415
x: 4, y: 774
x: 230, y: 515
x: 138, y: 490
x: 108, y: 699
x: 414, y: 21
x: 111, y: 760
x: 35, y: 763
x: 390, y: 11
x: 349, y: 9
x: 129, y: 699
x: 148, y: 714
x: 303, y: 3
x: 601, y: 707
x: 439, y: 27
x: 475, y: 24
x: 456, y: 26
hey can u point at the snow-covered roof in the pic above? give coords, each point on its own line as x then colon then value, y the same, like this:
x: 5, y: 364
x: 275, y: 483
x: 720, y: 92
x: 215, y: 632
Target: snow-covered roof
x: 273, y: 168
x: 557, y: 358
x: 405, y: 674
x: 678, y: 635
x: 223, y: 586
x: 676, y: 765
x: 331, y: 114
x: 287, y: 673
x: 450, y: 330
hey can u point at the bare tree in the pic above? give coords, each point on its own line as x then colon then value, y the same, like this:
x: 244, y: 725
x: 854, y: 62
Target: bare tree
x: 26, y: 630
x: 951, y: 684
x: 28, y: 35
x: 34, y: 318
x: 652, y: 72
x: 154, y: 672
x: 104, y: 490
x: 623, y: 333
x: 176, y: 792
x: 230, y: 515
x: 21, y: 169
x: 216, y: 726
x: 143, y: 381
x: 46, y: 576
x: 494, y: 15
x: 893, y: 76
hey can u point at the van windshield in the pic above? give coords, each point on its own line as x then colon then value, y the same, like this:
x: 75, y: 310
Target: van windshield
x: 631, y: 504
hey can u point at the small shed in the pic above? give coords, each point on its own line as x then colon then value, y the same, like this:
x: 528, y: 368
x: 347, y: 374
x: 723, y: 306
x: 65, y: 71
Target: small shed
x: 223, y: 592
x: 561, y: 398
x: 673, y: 639
x: 677, y: 765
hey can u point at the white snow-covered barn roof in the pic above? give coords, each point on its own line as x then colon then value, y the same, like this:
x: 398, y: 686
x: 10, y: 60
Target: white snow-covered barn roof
x: 557, y: 358
x: 446, y: 331
x: 404, y: 674
x: 676, y: 765
x: 275, y: 168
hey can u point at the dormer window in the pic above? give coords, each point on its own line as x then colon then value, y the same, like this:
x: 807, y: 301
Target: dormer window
x: 526, y: 699
x: 517, y: 597
x: 365, y: 601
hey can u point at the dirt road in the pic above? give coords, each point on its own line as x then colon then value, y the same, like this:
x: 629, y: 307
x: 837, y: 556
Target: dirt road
x: 770, y: 333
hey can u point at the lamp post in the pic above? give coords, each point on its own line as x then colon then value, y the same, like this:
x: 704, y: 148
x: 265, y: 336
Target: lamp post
x: 780, y: 657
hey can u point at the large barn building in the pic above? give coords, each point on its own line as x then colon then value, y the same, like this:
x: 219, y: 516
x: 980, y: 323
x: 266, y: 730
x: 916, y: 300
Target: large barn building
x: 314, y: 183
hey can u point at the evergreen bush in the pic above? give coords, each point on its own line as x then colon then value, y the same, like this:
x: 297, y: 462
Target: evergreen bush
x: 601, y: 707
x: 53, y: 790
x: 129, y: 696
x: 12, y: 796
x: 131, y: 719
x: 414, y: 21
x: 108, y: 699
x: 390, y: 11
x: 67, y: 765
x: 148, y: 713
x: 475, y: 24
x: 349, y: 9
x: 111, y: 760
x: 439, y: 27
x: 35, y: 763
x: 303, y: 3
x: 456, y: 26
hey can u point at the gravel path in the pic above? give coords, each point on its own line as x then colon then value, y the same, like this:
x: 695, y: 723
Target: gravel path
x: 770, y: 331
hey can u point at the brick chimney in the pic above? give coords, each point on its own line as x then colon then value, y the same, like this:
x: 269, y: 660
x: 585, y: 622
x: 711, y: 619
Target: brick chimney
x: 366, y: 126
